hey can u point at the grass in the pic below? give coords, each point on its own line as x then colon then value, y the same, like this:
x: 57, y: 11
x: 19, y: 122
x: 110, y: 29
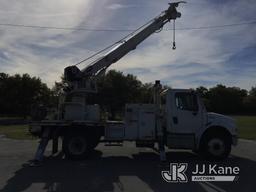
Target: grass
x: 11, y: 118
x: 246, y: 129
x: 246, y: 126
x: 16, y: 131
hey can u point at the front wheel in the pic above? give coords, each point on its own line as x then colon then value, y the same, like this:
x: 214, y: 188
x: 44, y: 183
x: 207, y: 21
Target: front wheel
x: 215, y: 147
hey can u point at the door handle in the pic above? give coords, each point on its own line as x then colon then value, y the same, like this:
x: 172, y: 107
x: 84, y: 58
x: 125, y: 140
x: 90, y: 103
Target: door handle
x: 175, y: 120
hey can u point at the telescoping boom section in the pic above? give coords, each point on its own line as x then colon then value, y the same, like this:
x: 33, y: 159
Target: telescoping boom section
x: 74, y: 74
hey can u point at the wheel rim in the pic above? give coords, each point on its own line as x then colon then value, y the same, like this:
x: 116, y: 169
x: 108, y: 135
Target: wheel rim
x: 216, y: 146
x: 77, y: 145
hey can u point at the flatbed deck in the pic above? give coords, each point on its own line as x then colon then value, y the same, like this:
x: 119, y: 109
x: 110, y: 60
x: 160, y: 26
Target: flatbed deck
x: 65, y: 123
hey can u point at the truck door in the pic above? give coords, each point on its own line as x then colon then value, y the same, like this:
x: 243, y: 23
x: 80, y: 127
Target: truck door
x: 185, y: 119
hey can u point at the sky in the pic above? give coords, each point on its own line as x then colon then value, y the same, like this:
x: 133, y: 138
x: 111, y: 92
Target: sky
x: 204, y: 57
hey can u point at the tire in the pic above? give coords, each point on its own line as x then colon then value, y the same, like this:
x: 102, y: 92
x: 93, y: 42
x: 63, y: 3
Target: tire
x: 215, y: 146
x: 76, y: 146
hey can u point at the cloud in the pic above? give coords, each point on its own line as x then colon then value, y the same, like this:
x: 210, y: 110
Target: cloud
x: 43, y: 52
x: 202, y: 57
x: 212, y: 49
x: 119, y: 6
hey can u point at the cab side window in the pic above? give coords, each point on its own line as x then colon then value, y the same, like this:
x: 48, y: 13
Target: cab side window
x: 186, y: 101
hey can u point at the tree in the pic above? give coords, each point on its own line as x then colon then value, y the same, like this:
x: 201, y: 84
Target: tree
x: 116, y: 89
x: 249, y: 102
x: 252, y: 92
x: 18, y: 93
x: 203, y: 91
x: 226, y: 99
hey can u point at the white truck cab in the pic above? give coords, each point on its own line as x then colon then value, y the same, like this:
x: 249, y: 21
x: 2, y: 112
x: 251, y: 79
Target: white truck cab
x: 190, y: 126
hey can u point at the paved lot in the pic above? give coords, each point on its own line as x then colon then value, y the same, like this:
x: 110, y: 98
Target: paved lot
x: 113, y: 169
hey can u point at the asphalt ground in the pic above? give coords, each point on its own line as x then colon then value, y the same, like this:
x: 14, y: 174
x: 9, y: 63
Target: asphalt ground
x: 115, y: 169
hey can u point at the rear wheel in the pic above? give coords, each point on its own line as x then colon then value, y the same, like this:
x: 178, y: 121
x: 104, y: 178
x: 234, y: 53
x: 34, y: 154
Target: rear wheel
x: 215, y: 146
x: 76, y: 146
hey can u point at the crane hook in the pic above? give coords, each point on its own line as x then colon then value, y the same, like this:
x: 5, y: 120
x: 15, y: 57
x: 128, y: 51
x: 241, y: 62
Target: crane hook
x: 173, y: 46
